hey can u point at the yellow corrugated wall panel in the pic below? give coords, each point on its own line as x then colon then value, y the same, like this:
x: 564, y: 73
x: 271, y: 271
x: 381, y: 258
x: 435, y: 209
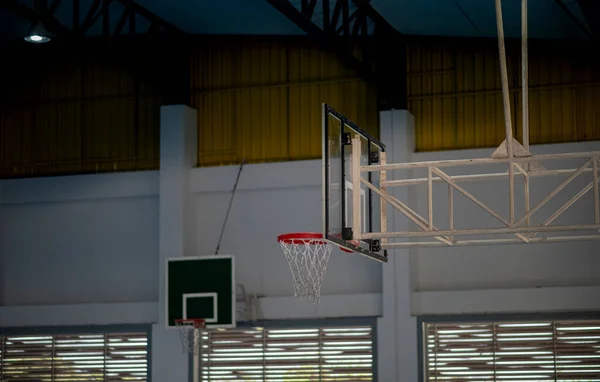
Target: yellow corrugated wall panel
x: 246, y: 124
x: 79, y: 117
x: 261, y: 101
x: 355, y: 99
x: 565, y: 89
x: 455, y: 94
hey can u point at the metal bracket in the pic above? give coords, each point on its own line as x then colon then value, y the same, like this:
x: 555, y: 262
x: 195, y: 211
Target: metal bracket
x: 347, y: 233
x: 375, y: 245
x: 374, y: 156
x: 346, y: 139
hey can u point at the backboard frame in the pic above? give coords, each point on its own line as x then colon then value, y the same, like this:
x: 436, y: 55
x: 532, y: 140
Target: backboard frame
x: 346, y: 237
x: 211, y: 322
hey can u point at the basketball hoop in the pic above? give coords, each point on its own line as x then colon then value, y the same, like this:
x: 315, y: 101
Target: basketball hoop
x: 307, y: 255
x: 190, y: 334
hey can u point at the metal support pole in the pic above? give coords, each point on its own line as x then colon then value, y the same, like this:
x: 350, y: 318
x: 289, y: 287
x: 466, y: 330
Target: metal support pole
x: 356, y: 186
x: 525, y: 74
x: 430, y: 197
x: 504, y: 78
x: 450, y: 209
x: 382, y: 203
x: 511, y: 193
x: 197, y: 366
x: 527, y: 198
x: 596, y: 200
x: 507, y: 113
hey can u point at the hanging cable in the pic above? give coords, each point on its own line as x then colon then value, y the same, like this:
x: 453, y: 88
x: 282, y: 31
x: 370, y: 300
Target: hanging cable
x: 235, y: 185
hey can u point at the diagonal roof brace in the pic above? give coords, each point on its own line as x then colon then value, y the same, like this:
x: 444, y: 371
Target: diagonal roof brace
x: 343, y: 25
x: 33, y: 16
x: 591, y: 12
x: 98, y: 11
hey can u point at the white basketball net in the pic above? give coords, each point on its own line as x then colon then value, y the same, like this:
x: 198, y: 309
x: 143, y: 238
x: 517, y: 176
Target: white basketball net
x: 190, y: 334
x: 308, y: 260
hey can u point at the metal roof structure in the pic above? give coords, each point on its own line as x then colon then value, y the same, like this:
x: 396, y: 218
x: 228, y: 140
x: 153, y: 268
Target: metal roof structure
x: 548, y: 19
x: 362, y: 33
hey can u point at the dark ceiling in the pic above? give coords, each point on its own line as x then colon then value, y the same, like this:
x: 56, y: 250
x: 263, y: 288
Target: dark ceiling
x: 548, y: 19
x: 340, y: 26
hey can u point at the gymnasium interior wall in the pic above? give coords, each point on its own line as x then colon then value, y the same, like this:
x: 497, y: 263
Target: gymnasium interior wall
x: 84, y: 249
x: 80, y: 239
x: 99, y: 112
x: 63, y: 236
x: 87, y: 248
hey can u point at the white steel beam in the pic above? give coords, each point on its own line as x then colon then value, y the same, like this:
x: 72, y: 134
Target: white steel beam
x: 480, y: 177
x: 478, y: 161
x: 468, y: 243
x: 483, y: 231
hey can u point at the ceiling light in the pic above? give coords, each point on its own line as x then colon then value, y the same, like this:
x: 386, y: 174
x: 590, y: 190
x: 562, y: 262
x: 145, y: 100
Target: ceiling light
x: 38, y: 34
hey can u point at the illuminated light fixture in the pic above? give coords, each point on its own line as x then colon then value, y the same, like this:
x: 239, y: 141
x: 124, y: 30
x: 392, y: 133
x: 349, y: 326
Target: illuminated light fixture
x: 38, y: 34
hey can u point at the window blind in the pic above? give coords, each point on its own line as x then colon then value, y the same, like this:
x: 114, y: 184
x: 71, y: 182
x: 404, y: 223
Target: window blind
x: 74, y: 357
x: 513, y: 351
x: 289, y: 355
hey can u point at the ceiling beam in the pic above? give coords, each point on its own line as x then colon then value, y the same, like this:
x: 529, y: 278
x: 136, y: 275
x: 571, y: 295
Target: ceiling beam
x: 581, y: 25
x: 135, y: 8
x: 98, y: 12
x: 366, y: 7
x: 31, y: 15
x: 591, y: 12
x: 361, y: 38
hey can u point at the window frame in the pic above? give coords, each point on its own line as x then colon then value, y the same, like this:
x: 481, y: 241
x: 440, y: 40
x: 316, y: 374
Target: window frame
x: 311, y: 323
x: 85, y: 329
x: 487, y: 318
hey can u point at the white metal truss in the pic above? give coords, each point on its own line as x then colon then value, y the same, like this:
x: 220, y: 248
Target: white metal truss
x: 519, y: 162
x: 520, y: 226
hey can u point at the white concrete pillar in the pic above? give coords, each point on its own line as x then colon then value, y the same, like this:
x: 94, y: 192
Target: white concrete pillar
x: 3, y: 230
x: 2, y: 251
x: 397, y: 329
x: 178, y: 154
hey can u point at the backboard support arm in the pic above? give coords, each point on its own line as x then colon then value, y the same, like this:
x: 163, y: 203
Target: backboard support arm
x: 518, y: 163
x: 524, y: 232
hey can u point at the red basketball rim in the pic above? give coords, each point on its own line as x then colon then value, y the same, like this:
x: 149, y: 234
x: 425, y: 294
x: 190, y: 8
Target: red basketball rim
x: 308, y: 238
x: 194, y: 322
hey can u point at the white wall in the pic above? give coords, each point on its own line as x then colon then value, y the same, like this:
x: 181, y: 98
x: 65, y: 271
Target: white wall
x: 90, y: 249
x: 94, y: 238
x: 272, y: 199
x: 79, y: 239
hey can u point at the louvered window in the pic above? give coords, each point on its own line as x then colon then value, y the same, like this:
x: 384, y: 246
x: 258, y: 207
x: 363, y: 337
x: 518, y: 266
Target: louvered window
x: 74, y: 357
x: 289, y: 355
x: 513, y: 351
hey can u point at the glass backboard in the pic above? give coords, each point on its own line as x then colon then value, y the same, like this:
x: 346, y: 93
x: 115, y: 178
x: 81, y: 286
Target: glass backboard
x: 339, y: 203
